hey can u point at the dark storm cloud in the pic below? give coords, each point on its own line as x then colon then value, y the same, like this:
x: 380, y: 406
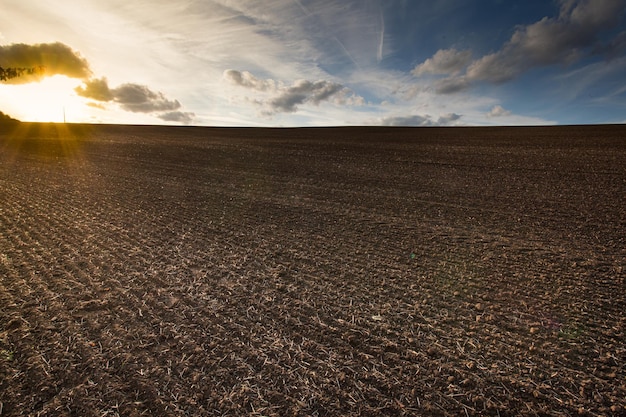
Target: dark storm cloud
x: 286, y: 99
x: 565, y: 39
x: 53, y: 58
x: 418, y: 120
x: 131, y: 97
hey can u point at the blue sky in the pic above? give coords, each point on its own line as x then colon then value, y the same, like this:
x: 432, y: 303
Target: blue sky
x: 316, y: 62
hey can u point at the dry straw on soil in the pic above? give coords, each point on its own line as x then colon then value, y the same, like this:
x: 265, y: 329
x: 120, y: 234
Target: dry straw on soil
x: 354, y: 271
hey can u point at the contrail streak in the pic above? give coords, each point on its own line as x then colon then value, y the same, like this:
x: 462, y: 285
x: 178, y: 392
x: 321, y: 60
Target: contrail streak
x: 345, y: 50
x: 341, y: 45
x: 381, y: 42
x: 304, y: 9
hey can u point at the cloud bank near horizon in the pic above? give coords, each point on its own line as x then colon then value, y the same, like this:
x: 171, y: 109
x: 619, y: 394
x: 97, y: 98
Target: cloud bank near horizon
x: 421, y: 120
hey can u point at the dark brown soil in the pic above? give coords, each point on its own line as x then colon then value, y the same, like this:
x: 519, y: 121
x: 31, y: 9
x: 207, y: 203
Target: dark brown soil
x: 331, y: 272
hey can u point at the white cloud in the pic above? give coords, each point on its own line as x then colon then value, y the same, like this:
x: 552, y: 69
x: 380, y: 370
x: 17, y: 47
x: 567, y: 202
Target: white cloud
x: 498, y: 111
x: 445, y: 61
x: 247, y: 80
x: 448, y: 119
x: 552, y: 40
x: 286, y: 99
x: 451, y: 85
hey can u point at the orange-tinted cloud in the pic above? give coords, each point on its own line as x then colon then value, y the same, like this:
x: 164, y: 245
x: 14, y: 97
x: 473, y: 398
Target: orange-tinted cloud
x: 135, y: 98
x: 97, y: 89
x: 54, y: 58
x: 131, y: 97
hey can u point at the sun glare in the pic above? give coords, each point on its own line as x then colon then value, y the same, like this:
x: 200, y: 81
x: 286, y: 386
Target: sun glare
x: 51, y: 100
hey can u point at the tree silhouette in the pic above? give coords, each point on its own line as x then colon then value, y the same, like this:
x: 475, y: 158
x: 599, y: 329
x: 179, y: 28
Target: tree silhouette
x: 8, y: 73
x: 5, y: 118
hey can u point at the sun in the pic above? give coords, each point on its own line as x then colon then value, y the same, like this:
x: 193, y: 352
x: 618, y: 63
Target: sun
x: 51, y: 100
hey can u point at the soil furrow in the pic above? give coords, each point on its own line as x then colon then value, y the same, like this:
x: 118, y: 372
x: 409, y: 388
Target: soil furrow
x: 161, y: 271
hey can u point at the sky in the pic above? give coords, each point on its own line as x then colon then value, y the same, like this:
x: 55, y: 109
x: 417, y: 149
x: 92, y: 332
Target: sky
x: 315, y: 62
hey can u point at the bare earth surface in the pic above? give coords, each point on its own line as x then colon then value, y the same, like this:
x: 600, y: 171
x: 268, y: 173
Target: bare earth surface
x: 331, y: 272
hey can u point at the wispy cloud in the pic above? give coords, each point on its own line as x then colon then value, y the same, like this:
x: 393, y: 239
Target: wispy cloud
x: 381, y: 43
x: 604, y: 78
x: 334, y: 33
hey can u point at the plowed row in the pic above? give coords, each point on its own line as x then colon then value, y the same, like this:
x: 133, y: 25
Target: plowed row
x: 350, y: 271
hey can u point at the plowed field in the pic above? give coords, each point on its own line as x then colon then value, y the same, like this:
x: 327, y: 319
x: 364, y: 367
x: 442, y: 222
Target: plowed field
x: 331, y: 272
